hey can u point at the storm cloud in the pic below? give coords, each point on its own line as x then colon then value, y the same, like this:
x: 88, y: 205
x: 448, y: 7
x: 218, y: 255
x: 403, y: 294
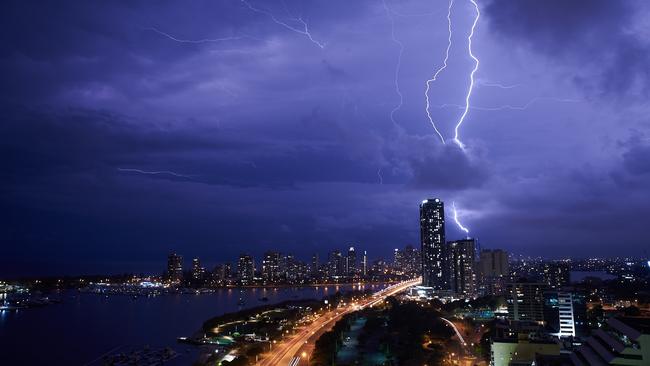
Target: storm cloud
x: 277, y: 143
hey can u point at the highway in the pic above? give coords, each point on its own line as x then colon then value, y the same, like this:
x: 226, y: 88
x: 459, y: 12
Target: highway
x: 290, y: 351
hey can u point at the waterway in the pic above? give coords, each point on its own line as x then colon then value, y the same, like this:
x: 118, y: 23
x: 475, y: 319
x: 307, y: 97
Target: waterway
x: 84, y: 326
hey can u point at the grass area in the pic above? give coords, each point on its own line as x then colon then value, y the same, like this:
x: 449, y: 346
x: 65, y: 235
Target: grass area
x: 394, y: 334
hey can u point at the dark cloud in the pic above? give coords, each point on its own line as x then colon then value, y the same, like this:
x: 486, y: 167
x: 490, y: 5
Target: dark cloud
x: 48, y: 141
x: 607, y: 58
x: 636, y: 157
x: 277, y: 143
x: 437, y: 167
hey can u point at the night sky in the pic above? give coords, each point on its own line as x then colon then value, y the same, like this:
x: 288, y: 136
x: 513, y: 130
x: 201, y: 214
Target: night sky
x: 210, y: 128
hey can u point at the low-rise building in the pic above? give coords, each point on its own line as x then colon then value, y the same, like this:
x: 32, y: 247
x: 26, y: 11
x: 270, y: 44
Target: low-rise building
x: 621, y: 341
x: 520, y: 351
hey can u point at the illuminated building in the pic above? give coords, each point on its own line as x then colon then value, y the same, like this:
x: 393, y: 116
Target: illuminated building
x: 460, y: 258
x: 351, y: 263
x: 432, y: 240
x: 335, y: 264
x: 175, y: 267
x: 520, y: 351
x: 565, y: 314
x: 271, y: 267
x: 559, y: 313
x: 197, y: 272
x: 407, y: 262
x: 245, y: 269
x: 525, y: 301
x: 315, y: 266
x: 556, y: 274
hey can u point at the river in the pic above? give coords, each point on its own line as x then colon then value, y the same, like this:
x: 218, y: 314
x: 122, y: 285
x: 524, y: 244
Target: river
x: 84, y: 326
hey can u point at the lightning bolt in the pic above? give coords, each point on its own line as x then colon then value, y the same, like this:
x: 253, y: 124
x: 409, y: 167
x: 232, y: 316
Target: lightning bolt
x: 161, y: 172
x: 508, y: 106
x: 466, y: 230
x: 399, y: 62
x: 435, y: 75
x: 480, y: 83
x: 304, y: 31
x: 197, y: 41
x: 471, y: 77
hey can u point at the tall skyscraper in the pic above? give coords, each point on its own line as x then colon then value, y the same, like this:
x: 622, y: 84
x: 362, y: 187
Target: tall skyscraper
x: 397, y: 259
x: 461, y: 262
x: 432, y: 239
x: 198, y: 272
x: 351, y: 262
x: 175, y: 267
x: 245, y: 269
x: 364, y: 264
x: 271, y: 267
x: 335, y: 264
x: 315, y: 265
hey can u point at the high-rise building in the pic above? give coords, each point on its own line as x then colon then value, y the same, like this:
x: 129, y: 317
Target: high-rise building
x: 351, y: 263
x: 461, y: 262
x: 315, y: 265
x: 364, y: 263
x: 556, y: 274
x: 198, y: 272
x: 432, y: 238
x: 378, y: 269
x: 271, y: 267
x: 565, y: 314
x: 221, y: 272
x: 494, y: 263
x: 245, y: 269
x: 397, y: 259
x: 175, y: 267
x: 559, y: 314
x: 412, y: 262
x: 525, y: 301
x: 291, y: 269
x: 493, y: 271
x: 567, y: 320
x: 407, y: 262
x: 335, y: 264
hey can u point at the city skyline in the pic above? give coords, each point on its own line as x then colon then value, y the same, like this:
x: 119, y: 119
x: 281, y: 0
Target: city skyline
x: 301, y: 126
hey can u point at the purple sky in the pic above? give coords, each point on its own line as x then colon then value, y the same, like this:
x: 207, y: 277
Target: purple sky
x: 255, y: 138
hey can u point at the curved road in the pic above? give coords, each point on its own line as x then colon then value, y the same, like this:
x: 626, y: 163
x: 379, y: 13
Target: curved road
x: 462, y: 341
x: 302, y: 343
